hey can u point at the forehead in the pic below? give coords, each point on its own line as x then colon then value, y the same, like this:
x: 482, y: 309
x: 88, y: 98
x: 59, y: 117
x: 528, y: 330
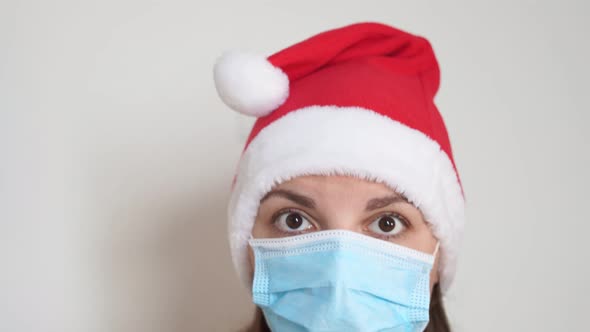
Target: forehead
x: 350, y: 185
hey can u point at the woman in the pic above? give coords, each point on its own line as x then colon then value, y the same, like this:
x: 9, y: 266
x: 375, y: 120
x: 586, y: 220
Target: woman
x: 346, y: 209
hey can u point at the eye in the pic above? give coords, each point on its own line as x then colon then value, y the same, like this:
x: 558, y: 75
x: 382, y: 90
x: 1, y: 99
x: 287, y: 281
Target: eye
x: 292, y: 222
x: 388, y: 225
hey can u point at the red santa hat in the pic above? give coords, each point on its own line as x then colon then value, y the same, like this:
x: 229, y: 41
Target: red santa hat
x: 358, y: 101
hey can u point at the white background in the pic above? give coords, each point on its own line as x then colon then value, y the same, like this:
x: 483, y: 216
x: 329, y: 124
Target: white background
x: 117, y: 155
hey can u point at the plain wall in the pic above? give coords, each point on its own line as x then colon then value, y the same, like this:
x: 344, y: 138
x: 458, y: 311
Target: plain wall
x: 117, y: 156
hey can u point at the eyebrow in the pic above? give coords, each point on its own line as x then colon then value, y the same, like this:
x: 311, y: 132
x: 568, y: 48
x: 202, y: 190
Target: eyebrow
x: 290, y: 195
x: 380, y: 202
x: 373, y: 204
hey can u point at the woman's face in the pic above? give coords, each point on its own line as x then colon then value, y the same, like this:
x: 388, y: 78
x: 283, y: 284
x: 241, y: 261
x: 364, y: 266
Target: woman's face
x: 312, y: 203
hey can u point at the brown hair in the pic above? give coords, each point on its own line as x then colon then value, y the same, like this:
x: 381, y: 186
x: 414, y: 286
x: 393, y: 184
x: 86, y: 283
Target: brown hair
x: 438, y: 318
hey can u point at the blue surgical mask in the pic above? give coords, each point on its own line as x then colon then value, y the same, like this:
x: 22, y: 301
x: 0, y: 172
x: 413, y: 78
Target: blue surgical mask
x: 339, y: 280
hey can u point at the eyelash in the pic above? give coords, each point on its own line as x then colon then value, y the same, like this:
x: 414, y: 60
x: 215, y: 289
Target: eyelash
x: 281, y: 212
x: 403, y: 220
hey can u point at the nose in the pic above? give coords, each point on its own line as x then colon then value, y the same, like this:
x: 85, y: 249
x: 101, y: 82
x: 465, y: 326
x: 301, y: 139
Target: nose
x: 345, y: 222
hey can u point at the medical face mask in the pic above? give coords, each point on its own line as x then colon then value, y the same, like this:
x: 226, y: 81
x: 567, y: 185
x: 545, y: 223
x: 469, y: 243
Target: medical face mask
x: 339, y: 280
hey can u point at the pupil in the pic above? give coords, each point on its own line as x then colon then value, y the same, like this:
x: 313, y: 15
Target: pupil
x: 387, y: 224
x: 294, y: 220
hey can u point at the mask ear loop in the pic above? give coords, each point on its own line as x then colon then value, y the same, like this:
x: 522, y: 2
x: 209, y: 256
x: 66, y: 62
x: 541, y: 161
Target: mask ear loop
x: 250, y: 238
x: 436, y: 248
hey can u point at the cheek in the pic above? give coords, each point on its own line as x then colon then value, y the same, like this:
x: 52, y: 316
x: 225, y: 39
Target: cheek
x: 260, y: 229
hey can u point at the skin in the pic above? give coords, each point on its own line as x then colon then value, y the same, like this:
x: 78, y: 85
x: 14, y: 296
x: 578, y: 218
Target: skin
x: 340, y: 202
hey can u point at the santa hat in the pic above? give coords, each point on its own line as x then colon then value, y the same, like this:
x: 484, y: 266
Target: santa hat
x: 358, y: 101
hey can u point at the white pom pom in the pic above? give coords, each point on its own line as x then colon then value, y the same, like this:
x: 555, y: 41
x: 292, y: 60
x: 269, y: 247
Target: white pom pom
x: 249, y: 83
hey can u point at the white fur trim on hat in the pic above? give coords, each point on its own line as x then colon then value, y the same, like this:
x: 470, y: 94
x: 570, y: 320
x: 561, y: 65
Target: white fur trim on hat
x: 328, y: 140
x: 249, y: 83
